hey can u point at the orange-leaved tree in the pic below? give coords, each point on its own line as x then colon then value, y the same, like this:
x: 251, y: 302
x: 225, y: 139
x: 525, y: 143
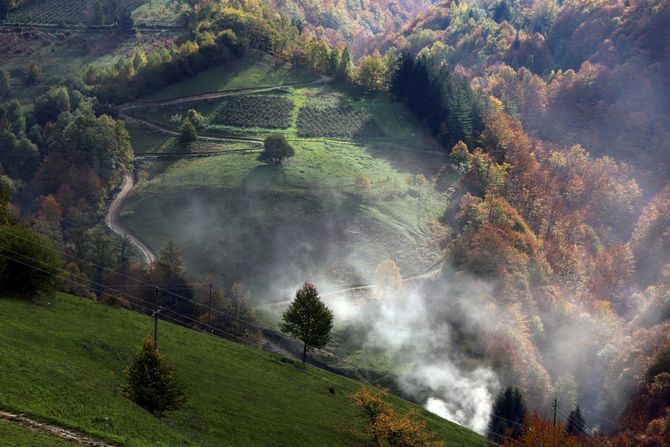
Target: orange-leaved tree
x: 395, y: 429
x: 538, y: 432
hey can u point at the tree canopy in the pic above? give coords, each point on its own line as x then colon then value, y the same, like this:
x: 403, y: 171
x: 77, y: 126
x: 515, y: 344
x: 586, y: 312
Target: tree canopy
x: 276, y: 149
x: 308, y: 319
x: 152, y: 381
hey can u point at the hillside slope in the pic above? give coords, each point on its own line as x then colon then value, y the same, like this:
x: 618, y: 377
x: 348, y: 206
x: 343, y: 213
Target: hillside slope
x: 63, y: 361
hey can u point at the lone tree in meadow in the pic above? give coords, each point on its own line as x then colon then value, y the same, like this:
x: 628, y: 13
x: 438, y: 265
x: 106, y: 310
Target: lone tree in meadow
x: 152, y: 382
x: 308, y: 319
x: 276, y: 149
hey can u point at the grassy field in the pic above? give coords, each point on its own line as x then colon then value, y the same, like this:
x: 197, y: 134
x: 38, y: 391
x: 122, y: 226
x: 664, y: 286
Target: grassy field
x: 62, y: 361
x: 256, y: 70
x: 314, y: 112
x: 271, y: 227
x: 274, y: 227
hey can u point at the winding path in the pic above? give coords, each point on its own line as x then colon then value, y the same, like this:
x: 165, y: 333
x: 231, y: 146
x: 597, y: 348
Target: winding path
x: 112, y: 219
x: 158, y: 128
x: 51, y: 429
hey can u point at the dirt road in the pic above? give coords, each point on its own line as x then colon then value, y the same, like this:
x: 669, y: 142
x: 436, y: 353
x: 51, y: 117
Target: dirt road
x: 219, y: 94
x: 51, y: 429
x: 112, y: 219
x: 158, y: 128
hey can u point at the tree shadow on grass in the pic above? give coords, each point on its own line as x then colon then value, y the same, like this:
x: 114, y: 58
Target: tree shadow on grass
x: 262, y: 177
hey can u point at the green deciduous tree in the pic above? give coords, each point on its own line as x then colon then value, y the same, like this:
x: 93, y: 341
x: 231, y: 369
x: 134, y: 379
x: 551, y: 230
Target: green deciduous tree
x: 459, y: 154
x: 308, y: 319
x: 29, y: 263
x: 31, y: 73
x: 6, y: 214
x: 188, y: 133
x: 5, y: 7
x: 152, y: 381
x: 371, y: 73
x: 25, y: 159
x: 276, y: 149
x: 195, y: 118
x: 51, y: 104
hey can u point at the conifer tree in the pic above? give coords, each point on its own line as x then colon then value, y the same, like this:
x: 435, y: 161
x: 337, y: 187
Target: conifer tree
x: 345, y: 65
x: 507, y: 416
x: 152, y: 382
x: 576, y: 423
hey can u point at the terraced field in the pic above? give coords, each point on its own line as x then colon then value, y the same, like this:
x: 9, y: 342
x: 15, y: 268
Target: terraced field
x: 333, y: 116
x: 259, y: 110
x: 61, y: 11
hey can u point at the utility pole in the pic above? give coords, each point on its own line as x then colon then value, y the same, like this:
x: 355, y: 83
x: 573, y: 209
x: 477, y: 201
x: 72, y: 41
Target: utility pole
x: 156, y: 312
x: 555, y: 408
x: 209, y: 307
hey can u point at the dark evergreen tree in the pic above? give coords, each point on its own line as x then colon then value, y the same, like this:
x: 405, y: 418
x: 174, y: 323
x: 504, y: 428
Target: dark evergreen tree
x: 345, y: 65
x: 459, y: 103
x: 402, y: 77
x: 576, y: 424
x: 4, y: 84
x: 502, y: 11
x: 176, y: 291
x: 507, y: 416
x: 418, y: 88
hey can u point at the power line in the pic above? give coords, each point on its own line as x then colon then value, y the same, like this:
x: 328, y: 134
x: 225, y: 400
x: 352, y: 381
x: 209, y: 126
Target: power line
x: 169, y: 292
x: 585, y: 433
x: 462, y: 430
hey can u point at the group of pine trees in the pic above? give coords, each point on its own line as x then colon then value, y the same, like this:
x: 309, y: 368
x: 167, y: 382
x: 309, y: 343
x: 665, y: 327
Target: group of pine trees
x: 512, y: 425
x: 445, y: 101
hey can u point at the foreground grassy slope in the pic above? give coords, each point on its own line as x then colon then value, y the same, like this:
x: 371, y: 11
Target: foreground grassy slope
x: 62, y: 360
x: 17, y: 436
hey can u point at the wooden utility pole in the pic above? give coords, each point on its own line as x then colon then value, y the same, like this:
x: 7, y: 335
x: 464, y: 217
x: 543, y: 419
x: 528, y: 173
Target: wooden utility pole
x: 156, y: 312
x: 555, y: 408
x: 209, y: 307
